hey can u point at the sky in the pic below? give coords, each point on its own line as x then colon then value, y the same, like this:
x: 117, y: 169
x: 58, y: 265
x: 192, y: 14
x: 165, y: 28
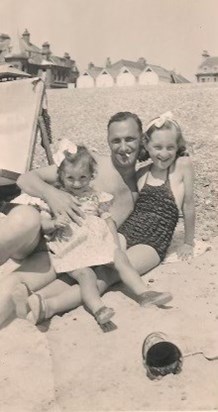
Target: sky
x: 170, y: 33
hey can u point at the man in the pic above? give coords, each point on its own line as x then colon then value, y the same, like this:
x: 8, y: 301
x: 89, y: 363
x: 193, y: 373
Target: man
x: 116, y: 175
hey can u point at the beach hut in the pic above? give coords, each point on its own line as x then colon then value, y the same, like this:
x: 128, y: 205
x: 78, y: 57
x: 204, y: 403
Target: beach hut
x: 88, y: 78
x: 126, y: 72
x: 148, y: 76
x: 85, y: 80
x: 104, y: 79
x: 154, y: 74
x: 127, y: 76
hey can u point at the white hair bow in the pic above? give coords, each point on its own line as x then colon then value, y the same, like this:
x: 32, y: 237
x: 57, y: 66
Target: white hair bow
x: 159, y: 121
x: 65, y: 145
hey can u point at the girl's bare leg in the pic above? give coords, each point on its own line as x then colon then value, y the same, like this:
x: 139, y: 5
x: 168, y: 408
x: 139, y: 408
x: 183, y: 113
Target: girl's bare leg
x: 19, y: 233
x: 143, y: 258
x: 128, y: 274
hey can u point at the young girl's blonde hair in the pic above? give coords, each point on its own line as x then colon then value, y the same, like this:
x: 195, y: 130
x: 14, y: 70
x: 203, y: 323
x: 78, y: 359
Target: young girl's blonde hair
x: 83, y: 156
x: 167, y: 125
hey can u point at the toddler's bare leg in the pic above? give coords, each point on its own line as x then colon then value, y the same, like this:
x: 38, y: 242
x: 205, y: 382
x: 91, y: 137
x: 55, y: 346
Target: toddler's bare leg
x: 87, y: 280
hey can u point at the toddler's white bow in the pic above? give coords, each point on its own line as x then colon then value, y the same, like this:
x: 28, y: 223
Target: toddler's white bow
x: 159, y: 121
x: 65, y: 145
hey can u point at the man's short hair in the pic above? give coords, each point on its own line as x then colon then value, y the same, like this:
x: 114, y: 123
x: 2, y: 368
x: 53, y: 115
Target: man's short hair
x: 119, y: 117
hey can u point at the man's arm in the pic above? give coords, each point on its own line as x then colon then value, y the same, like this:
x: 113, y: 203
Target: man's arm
x: 40, y: 183
x: 37, y: 182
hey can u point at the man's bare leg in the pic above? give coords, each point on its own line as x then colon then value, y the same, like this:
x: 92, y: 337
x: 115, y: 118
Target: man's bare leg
x: 35, y: 271
x: 19, y: 233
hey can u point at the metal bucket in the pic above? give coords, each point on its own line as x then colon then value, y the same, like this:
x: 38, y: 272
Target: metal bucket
x: 160, y: 356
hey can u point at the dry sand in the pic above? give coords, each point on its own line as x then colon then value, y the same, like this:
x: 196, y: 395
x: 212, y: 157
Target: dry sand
x: 70, y: 364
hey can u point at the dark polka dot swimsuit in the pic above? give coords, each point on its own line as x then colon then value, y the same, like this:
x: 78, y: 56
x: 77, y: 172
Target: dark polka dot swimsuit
x: 153, y: 219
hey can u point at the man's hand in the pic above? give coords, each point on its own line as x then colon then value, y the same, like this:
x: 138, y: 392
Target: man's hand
x: 185, y: 251
x: 64, y: 204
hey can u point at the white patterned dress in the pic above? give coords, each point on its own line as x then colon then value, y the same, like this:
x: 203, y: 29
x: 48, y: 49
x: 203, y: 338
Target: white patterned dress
x: 75, y: 247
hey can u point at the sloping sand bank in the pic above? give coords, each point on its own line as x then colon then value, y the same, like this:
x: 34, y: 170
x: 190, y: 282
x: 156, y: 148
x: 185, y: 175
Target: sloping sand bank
x: 70, y: 364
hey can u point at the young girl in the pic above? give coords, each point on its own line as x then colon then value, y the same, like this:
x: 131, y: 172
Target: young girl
x: 166, y: 187
x: 74, y: 249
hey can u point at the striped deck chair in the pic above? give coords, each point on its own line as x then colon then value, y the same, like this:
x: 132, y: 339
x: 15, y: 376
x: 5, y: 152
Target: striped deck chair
x: 22, y: 115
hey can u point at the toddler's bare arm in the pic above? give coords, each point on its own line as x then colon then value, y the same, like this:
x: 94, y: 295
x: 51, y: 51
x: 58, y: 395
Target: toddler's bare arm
x: 113, y: 229
x: 47, y: 223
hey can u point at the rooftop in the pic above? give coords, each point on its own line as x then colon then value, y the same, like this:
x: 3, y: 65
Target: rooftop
x: 136, y: 68
x: 21, y: 47
x: 209, y: 62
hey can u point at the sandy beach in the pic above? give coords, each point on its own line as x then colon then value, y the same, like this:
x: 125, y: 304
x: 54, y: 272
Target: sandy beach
x: 69, y: 363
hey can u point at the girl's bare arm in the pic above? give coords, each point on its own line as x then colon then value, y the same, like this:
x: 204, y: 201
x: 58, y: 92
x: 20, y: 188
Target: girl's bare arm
x: 188, y: 203
x: 188, y: 209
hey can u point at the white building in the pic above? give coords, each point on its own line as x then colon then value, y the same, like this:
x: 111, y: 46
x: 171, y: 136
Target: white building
x: 208, y: 69
x: 104, y: 79
x: 148, y: 76
x: 127, y: 73
x: 128, y: 76
x: 87, y: 78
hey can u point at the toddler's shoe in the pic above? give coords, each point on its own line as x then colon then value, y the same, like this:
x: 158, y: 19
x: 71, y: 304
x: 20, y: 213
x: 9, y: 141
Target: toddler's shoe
x: 103, y: 315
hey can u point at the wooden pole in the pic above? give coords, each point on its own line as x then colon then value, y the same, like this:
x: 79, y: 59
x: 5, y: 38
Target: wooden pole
x: 45, y: 140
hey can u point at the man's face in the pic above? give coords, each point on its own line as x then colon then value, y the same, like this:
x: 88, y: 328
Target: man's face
x: 124, y: 141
